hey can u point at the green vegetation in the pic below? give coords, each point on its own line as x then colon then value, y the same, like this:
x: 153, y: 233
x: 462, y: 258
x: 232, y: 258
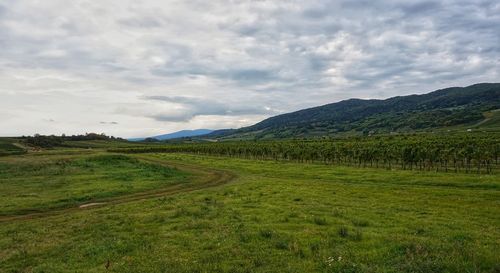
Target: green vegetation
x: 378, y: 202
x: 221, y: 208
x: 275, y: 217
x: 472, y: 152
x: 9, y: 146
x: 43, y: 182
x: 51, y: 141
x: 446, y: 108
x: 491, y: 121
x: 97, y: 144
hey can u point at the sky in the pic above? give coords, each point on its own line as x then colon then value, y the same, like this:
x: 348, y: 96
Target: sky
x: 140, y: 68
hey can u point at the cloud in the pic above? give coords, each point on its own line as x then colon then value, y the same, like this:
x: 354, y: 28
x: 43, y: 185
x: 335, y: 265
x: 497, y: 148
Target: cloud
x: 3, y: 10
x: 109, y: 123
x: 191, y: 107
x: 157, y: 66
x: 140, y: 22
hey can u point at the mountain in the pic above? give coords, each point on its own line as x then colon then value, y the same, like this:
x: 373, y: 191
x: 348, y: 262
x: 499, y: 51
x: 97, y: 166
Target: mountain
x: 443, y: 108
x: 184, y: 133
x: 179, y: 134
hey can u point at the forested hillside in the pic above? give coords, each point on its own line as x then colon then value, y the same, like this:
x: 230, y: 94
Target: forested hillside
x: 439, y: 109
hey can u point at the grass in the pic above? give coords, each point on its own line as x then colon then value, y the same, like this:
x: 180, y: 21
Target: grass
x: 276, y: 217
x: 96, y: 144
x: 8, y: 147
x: 38, y: 183
x: 491, y: 122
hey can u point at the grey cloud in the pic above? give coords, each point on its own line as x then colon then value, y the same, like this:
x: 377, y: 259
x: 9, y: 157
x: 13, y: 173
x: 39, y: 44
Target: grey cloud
x: 315, y: 13
x: 420, y: 7
x: 248, y: 30
x: 232, y: 60
x: 3, y: 10
x: 108, y: 122
x: 197, y: 106
x: 140, y: 22
x: 172, y: 118
x: 242, y: 76
x: 252, y: 75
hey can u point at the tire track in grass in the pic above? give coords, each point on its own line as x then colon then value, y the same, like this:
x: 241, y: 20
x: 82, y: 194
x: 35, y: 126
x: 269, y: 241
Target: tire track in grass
x: 203, y: 178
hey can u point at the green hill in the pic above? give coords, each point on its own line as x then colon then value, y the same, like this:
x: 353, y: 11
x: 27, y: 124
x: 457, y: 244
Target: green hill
x: 454, y: 107
x: 491, y: 121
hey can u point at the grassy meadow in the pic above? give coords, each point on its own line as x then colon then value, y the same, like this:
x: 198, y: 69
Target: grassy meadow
x: 42, y: 182
x: 270, y: 217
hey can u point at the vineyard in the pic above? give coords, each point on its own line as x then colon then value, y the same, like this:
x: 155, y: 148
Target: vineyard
x: 478, y: 153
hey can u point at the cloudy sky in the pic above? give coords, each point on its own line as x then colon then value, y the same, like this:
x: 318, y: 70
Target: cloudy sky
x: 138, y: 68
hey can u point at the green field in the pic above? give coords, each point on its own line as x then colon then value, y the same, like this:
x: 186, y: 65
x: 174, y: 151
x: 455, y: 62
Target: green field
x: 42, y: 182
x: 220, y: 214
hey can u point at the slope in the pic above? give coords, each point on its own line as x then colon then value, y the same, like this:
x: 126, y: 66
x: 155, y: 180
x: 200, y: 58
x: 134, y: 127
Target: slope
x: 439, y: 109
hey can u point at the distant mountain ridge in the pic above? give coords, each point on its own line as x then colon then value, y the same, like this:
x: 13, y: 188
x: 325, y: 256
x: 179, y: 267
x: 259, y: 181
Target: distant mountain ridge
x: 178, y: 134
x: 441, y: 108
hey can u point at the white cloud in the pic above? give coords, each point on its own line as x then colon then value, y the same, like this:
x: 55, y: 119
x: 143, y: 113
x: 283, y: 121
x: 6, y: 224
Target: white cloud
x: 81, y: 66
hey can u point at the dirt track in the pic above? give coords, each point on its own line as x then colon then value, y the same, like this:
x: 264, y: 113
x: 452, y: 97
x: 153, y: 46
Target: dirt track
x: 204, y: 178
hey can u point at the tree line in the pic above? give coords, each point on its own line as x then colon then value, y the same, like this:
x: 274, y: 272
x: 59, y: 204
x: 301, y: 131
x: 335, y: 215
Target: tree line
x: 51, y: 141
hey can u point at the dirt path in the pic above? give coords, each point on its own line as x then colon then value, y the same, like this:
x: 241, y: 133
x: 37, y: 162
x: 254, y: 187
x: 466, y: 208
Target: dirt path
x: 204, y: 178
x: 482, y: 122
